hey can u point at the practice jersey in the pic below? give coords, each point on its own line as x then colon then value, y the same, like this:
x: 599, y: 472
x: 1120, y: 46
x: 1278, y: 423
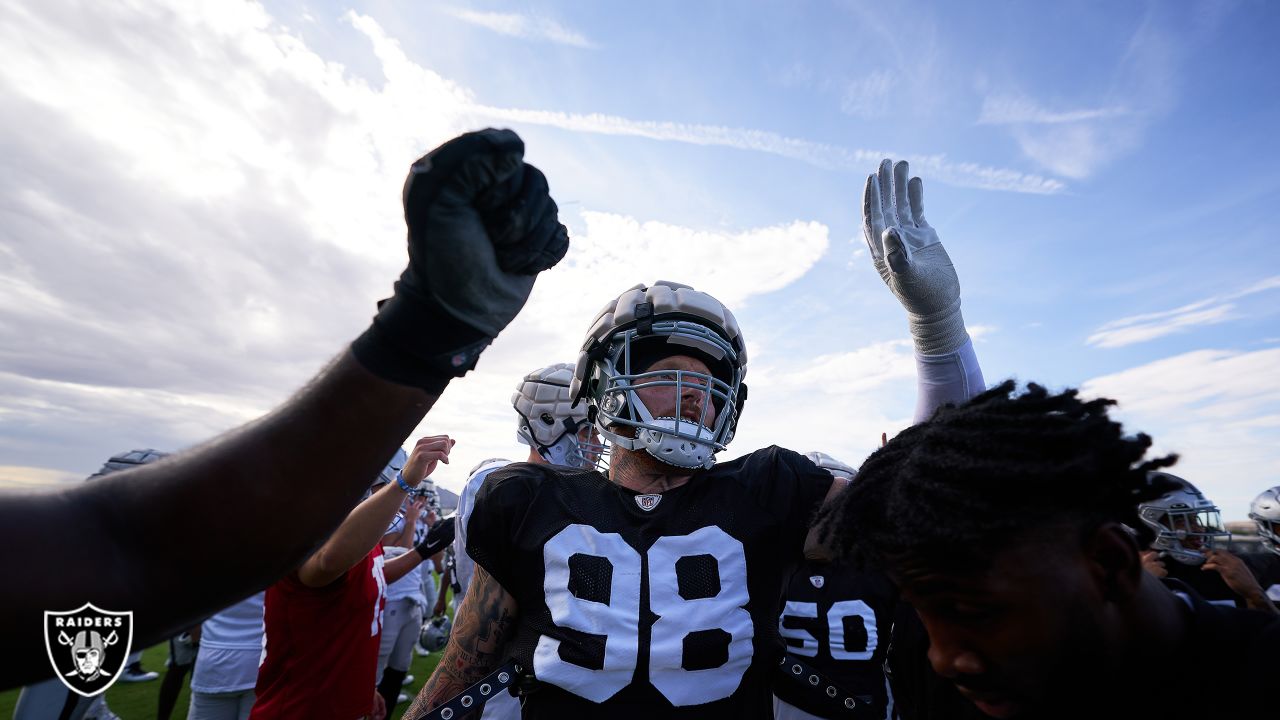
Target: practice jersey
x: 838, y: 620
x: 648, y: 605
x: 463, y: 566
x: 320, y: 649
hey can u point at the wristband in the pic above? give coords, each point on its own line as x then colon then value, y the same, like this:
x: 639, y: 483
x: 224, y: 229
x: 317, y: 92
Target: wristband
x: 403, y: 485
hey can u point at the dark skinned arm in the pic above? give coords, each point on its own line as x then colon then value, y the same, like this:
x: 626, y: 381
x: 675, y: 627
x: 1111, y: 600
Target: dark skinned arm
x: 279, y: 487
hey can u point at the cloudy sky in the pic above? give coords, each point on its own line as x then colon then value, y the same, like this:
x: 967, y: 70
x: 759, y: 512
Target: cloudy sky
x: 199, y: 204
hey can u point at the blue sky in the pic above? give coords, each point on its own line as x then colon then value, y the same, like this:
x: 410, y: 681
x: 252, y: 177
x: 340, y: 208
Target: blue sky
x: 201, y: 205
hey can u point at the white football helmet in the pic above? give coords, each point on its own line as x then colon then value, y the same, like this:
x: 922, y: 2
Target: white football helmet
x: 435, y: 633
x: 835, y: 467
x: 1264, y: 511
x: 1186, y: 523
x: 551, y: 423
x: 646, y: 324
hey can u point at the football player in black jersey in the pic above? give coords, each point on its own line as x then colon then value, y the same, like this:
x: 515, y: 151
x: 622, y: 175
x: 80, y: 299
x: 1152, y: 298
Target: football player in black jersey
x: 1190, y: 547
x: 1008, y: 524
x: 836, y: 618
x: 654, y: 591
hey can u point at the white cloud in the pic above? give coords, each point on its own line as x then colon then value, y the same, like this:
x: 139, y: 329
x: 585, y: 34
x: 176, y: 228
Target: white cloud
x: 1016, y: 109
x: 16, y: 477
x: 194, y: 234
x: 1218, y: 409
x: 1149, y: 326
x: 1076, y: 142
x: 866, y: 97
x: 936, y: 167
x: 833, y: 403
x: 529, y: 27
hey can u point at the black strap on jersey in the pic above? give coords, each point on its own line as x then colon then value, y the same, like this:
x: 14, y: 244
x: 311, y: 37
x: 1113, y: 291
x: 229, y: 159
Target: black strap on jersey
x: 819, y: 686
x: 473, y: 698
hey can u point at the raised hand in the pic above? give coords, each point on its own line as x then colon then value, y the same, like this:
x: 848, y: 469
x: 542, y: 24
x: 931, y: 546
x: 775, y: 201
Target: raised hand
x: 911, y: 260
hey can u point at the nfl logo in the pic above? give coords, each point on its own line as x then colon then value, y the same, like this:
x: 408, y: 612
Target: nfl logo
x: 817, y: 581
x: 648, y: 502
x: 88, y: 647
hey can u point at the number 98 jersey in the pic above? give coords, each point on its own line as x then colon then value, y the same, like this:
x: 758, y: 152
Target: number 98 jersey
x: 648, y: 606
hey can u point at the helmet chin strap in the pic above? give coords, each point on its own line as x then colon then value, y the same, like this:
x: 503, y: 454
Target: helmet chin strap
x: 564, y: 451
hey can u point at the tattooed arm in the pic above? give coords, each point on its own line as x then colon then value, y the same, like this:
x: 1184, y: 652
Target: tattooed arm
x: 483, y: 625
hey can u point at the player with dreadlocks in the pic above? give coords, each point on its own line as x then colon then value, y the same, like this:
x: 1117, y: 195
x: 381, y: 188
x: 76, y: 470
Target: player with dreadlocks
x: 1007, y: 522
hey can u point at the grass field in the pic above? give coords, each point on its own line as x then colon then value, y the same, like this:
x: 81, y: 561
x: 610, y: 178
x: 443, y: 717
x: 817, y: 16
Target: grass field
x: 137, y: 701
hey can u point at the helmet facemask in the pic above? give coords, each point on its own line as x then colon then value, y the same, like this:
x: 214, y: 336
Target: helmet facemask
x: 1186, y: 534
x: 624, y: 419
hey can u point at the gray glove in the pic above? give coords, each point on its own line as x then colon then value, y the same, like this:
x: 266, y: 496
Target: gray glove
x: 911, y: 260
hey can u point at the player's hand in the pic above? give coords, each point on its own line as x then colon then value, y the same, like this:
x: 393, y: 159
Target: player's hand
x: 1152, y: 563
x: 379, y: 707
x: 911, y: 260
x: 428, y: 452
x: 413, y: 508
x: 440, y: 607
x: 1234, y: 573
x: 439, y: 536
x: 482, y: 225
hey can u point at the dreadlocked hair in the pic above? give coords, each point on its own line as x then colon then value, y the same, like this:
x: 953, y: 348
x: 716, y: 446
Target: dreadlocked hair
x: 971, y: 479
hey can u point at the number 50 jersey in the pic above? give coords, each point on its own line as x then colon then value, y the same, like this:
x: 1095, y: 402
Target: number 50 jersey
x: 636, y: 605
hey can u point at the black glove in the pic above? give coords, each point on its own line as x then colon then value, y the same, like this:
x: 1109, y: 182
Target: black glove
x: 440, y: 535
x: 482, y: 225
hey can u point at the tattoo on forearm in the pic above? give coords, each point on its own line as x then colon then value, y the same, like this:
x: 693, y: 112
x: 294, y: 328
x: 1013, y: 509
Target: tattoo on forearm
x: 483, y: 625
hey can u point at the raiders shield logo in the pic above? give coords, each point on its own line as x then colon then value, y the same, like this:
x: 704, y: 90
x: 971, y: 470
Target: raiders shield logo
x: 648, y: 502
x: 817, y: 581
x: 88, y: 647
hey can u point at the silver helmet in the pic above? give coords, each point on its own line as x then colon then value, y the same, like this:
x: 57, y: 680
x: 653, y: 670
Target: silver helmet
x: 1264, y: 511
x: 640, y: 327
x: 435, y: 633
x: 128, y: 459
x: 1186, y: 523
x: 837, y: 469
x: 551, y: 423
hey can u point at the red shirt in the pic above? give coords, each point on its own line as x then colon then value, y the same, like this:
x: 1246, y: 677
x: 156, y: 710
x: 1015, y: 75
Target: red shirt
x: 320, y: 649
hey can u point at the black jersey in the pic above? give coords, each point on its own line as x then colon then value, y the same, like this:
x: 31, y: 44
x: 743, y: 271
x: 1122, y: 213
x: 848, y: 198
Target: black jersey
x: 1210, y: 585
x: 839, y: 620
x: 1265, y: 567
x: 648, y: 606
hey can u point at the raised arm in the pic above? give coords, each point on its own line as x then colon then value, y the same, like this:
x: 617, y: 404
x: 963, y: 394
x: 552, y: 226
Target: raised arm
x: 364, y: 527
x: 910, y: 258
x: 481, y: 225
x: 482, y: 626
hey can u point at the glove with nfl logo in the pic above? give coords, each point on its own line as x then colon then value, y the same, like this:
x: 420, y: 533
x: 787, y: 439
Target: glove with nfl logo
x: 911, y: 260
x: 482, y: 225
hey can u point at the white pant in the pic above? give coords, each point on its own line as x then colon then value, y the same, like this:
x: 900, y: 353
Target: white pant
x: 221, y: 706
x: 401, y: 623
